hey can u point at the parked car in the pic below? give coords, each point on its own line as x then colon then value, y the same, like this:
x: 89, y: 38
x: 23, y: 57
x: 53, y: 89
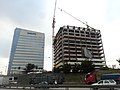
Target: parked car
x: 90, y: 78
x: 105, y: 82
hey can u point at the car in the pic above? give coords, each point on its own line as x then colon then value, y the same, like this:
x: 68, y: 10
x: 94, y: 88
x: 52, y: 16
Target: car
x: 105, y: 82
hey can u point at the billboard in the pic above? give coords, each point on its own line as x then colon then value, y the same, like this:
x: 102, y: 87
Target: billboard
x: 87, y: 53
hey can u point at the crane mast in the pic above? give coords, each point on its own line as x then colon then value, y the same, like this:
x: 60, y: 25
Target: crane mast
x: 53, y: 28
x: 53, y: 24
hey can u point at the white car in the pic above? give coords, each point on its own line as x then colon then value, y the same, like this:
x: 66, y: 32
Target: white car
x: 105, y: 82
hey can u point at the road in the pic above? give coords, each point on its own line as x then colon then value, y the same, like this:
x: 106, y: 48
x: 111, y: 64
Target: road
x: 59, y: 89
x: 80, y: 89
x: 70, y: 89
x: 52, y: 89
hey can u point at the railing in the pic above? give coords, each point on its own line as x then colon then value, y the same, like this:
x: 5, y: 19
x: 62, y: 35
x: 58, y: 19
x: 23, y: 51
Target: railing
x: 45, y: 87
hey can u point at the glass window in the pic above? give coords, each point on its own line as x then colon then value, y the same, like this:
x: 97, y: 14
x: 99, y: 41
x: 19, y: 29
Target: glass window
x: 106, y: 82
x: 100, y: 82
x: 87, y: 76
x: 112, y: 81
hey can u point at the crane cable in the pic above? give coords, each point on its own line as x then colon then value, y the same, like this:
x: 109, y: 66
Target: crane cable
x: 75, y: 18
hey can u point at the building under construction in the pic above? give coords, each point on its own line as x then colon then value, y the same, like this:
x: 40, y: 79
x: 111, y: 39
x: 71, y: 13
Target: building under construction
x: 74, y: 44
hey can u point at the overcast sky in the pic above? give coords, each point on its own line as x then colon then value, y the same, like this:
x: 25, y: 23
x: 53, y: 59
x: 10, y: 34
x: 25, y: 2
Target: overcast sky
x: 37, y: 15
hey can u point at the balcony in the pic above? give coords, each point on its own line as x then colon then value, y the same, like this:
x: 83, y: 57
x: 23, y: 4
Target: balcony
x: 97, y: 60
x: 72, y: 55
x: 72, y: 58
x: 66, y: 54
x: 99, y: 64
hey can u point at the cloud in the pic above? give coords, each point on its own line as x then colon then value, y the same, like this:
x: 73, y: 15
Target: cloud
x: 111, y: 40
x: 25, y: 13
x: 37, y: 15
x: 6, y: 34
x: 33, y: 15
x: 3, y: 65
x: 112, y: 9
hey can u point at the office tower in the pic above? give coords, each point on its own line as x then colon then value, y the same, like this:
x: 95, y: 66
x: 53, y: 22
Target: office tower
x: 27, y: 47
x: 75, y: 44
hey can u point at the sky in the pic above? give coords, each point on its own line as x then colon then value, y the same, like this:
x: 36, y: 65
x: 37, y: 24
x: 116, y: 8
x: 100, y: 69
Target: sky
x: 37, y: 15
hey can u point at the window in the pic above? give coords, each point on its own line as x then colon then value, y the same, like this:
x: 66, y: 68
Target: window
x: 106, y: 82
x: 112, y: 81
x: 100, y: 82
x: 87, y: 76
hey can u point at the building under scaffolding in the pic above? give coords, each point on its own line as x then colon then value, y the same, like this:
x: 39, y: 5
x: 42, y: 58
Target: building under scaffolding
x: 74, y: 44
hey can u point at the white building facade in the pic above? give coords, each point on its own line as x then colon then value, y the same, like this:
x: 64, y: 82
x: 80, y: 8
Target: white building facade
x: 27, y: 47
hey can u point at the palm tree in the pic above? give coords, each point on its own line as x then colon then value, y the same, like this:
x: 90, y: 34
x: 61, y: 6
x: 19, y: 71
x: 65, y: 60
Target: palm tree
x: 29, y: 67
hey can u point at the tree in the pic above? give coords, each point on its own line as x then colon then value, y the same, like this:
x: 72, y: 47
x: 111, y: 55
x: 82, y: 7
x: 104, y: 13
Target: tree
x: 29, y: 67
x: 19, y: 68
x: 36, y: 67
x: 76, y: 68
x: 56, y: 70
x: 118, y: 60
x: 87, y: 66
x: 104, y: 68
x: 66, y: 68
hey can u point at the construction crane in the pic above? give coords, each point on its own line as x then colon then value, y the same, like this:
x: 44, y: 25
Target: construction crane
x: 76, y: 19
x: 53, y: 37
x: 53, y: 24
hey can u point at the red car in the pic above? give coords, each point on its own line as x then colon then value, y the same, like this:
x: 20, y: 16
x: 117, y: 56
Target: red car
x: 90, y: 78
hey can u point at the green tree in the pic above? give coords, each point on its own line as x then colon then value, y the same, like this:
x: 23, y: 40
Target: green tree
x: 19, y: 68
x: 36, y: 67
x: 87, y: 66
x: 118, y: 60
x: 104, y: 68
x: 56, y: 70
x: 29, y: 67
x: 76, y: 68
x: 66, y: 68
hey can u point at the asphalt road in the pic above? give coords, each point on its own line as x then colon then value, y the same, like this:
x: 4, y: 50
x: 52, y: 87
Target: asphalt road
x: 80, y: 89
x: 52, y: 89
x: 70, y: 89
x: 60, y: 89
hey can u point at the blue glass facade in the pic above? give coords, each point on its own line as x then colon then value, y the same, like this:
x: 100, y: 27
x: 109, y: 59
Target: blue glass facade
x: 27, y: 47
